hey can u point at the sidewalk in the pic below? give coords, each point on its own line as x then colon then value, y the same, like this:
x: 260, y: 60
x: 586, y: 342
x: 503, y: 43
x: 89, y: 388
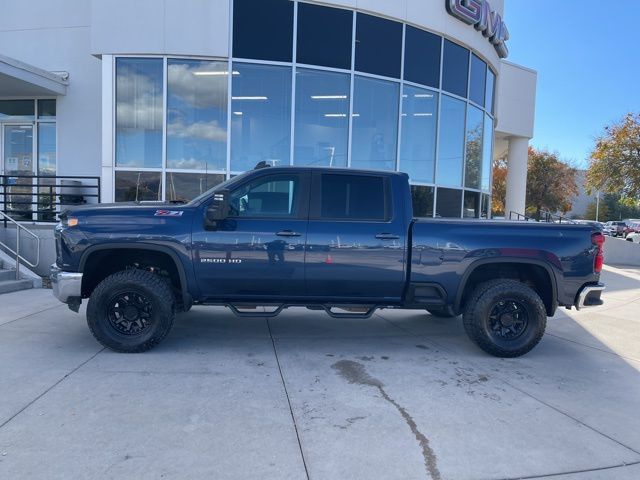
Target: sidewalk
x: 401, y: 395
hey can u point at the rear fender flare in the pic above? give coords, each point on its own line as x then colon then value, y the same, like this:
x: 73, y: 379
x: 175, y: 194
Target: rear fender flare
x: 486, y: 261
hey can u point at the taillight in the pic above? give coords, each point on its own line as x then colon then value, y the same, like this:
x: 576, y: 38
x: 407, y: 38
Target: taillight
x: 598, y: 240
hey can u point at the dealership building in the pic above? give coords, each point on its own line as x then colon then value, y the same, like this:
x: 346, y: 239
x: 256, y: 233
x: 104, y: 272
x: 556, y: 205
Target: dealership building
x: 163, y: 99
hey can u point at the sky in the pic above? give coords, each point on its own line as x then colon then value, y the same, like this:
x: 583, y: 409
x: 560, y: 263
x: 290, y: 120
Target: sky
x: 587, y: 55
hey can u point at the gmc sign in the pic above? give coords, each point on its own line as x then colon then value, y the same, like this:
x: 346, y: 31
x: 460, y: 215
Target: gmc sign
x: 479, y: 14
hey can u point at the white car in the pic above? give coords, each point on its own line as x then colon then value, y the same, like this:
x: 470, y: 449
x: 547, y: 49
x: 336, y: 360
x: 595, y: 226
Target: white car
x: 633, y: 237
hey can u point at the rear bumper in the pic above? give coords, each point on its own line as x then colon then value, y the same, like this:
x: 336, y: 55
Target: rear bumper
x: 65, y: 285
x: 589, y: 296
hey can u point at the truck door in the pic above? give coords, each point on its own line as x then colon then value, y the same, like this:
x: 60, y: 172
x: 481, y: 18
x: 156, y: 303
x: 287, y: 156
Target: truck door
x: 258, y: 250
x: 355, y: 242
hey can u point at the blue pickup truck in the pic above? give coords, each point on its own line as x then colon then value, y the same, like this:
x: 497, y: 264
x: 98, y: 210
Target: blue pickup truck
x: 338, y: 240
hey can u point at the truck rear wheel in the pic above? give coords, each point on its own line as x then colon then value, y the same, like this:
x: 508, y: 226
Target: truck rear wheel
x: 505, y: 318
x: 131, y: 311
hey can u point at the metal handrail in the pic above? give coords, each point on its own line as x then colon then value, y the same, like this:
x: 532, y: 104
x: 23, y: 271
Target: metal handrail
x: 16, y: 252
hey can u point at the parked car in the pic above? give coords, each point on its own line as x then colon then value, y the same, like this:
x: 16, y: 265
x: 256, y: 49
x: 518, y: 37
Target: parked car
x: 633, y: 237
x: 363, y: 250
x: 615, y: 229
x: 593, y: 223
x: 631, y: 226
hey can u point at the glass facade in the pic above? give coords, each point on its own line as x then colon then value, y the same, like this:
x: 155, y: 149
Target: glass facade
x: 260, y: 116
x: 373, y: 93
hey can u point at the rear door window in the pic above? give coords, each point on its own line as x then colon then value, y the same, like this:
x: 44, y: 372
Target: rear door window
x: 353, y: 197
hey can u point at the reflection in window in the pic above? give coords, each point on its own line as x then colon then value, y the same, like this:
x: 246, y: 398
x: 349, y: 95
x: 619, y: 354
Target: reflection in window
x: 455, y: 69
x: 197, y: 114
x: 375, y: 124
x: 261, y: 115
x: 472, y: 205
x: 422, y: 57
x: 139, y: 112
x: 352, y: 197
x: 378, y: 46
x: 422, y: 200
x: 452, y: 131
x: 491, y: 81
x: 138, y: 186
x: 448, y: 203
x: 473, y: 163
x: 314, y: 46
x: 485, y: 208
x: 478, y: 85
x: 187, y: 186
x: 47, y: 109
x: 270, y: 196
x: 47, y: 148
x: 17, y: 109
x: 418, y: 143
x: 487, y: 153
x: 263, y: 29
x: 322, y: 118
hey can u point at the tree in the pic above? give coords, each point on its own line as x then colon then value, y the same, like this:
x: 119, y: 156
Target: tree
x: 602, y: 212
x: 551, y: 184
x: 614, y: 166
x: 499, y: 186
x: 619, y: 208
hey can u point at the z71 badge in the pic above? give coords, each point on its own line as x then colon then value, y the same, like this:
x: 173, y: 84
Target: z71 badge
x: 168, y: 213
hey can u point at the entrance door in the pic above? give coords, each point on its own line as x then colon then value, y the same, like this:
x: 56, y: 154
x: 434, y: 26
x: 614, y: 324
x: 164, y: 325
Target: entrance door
x: 18, y: 160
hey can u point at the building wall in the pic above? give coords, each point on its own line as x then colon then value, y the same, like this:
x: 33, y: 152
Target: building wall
x: 74, y: 35
x: 149, y: 25
x: 55, y: 35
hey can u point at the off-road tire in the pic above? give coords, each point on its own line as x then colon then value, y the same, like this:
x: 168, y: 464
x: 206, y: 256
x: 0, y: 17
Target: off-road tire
x: 445, y: 312
x: 142, y: 284
x: 492, y: 295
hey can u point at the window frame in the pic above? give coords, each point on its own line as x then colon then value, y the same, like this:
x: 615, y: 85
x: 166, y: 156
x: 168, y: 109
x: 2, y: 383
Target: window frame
x: 315, y: 204
x: 301, y: 203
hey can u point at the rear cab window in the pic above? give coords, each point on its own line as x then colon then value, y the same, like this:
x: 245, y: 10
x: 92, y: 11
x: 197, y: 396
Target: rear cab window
x: 351, y: 197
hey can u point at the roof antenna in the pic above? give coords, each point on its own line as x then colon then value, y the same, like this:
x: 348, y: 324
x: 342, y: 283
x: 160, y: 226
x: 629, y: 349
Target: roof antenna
x: 262, y: 164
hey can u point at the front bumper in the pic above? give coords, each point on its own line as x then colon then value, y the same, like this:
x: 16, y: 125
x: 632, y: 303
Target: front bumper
x: 67, y: 286
x: 589, y: 296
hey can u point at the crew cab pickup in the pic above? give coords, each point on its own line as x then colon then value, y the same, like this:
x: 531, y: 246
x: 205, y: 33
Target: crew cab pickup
x: 340, y: 240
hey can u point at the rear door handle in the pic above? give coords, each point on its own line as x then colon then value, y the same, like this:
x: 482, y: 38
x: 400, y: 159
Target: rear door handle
x: 287, y: 233
x: 387, y: 236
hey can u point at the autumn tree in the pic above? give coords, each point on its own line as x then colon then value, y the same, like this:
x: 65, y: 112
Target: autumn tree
x: 614, y: 166
x: 499, y: 193
x: 551, y: 183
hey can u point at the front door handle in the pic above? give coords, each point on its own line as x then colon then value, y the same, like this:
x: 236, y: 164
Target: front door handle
x: 287, y: 233
x: 387, y: 236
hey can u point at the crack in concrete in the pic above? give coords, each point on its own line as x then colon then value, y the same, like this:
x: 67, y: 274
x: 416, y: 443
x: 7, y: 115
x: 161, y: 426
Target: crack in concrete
x: 356, y: 373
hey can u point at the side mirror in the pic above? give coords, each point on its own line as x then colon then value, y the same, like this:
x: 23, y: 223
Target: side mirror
x: 218, y: 209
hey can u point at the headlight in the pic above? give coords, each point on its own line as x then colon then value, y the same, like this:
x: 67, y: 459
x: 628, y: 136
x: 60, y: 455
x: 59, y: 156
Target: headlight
x: 68, y: 221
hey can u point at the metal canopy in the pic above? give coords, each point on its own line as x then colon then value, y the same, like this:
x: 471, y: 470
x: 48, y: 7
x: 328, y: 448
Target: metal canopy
x: 18, y: 79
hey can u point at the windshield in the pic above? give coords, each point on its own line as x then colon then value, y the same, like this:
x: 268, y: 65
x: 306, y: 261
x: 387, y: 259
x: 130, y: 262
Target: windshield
x: 221, y: 186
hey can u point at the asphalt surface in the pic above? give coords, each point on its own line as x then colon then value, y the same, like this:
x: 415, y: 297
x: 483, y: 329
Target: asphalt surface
x: 399, y: 396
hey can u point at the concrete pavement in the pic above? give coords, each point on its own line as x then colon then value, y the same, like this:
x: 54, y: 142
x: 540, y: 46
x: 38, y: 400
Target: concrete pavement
x: 401, y: 395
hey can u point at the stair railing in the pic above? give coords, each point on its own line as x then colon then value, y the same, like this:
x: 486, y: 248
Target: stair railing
x: 19, y: 227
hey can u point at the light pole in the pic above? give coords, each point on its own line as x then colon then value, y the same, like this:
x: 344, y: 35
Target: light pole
x: 597, y: 205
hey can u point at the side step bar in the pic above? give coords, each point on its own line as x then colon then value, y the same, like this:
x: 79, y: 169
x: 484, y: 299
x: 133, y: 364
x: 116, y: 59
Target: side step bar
x: 348, y: 311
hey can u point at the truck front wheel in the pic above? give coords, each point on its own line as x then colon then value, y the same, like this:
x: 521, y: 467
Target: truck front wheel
x: 131, y: 311
x: 505, y: 318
